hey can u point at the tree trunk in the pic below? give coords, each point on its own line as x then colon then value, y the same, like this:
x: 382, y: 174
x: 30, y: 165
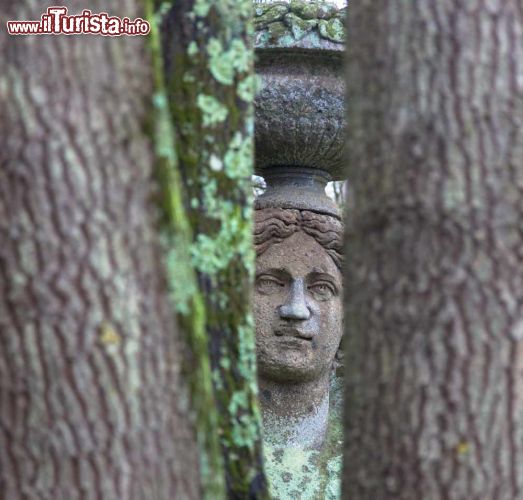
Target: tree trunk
x: 90, y: 392
x: 208, y: 52
x: 435, y: 283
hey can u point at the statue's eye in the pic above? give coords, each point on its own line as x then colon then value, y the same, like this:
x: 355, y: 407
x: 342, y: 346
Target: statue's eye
x: 268, y: 285
x: 322, y: 290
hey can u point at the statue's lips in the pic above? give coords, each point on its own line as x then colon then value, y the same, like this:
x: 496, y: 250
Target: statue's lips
x: 293, y: 343
x: 294, y: 333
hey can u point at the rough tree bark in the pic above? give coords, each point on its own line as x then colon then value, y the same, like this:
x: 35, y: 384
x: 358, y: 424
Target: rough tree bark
x: 210, y: 83
x: 90, y: 392
x: 435, y: 281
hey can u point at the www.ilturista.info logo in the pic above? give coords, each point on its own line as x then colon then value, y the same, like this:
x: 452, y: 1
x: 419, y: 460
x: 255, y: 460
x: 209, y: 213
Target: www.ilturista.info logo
x: 56, y: 22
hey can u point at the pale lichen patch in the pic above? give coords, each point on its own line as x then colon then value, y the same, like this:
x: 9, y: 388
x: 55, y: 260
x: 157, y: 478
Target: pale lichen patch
x: 213, y: 111
x: 238, y: 158
x: 109, y: 335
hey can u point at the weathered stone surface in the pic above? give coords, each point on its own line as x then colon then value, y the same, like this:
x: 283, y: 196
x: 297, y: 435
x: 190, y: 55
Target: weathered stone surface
x: 297, y: 473
x: 300, y: 107
x: 300, y: 110
x: 297, y: 188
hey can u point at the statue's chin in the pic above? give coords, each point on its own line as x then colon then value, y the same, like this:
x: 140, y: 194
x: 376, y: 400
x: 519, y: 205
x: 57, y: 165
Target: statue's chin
x: 287, y: 372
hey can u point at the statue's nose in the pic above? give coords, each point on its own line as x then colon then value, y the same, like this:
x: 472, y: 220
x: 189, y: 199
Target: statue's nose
x: 295, y: 306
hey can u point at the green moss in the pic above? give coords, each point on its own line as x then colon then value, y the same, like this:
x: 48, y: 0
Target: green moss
x: 270, y: 14
x: 305, y: 10
x: 188, y: 78
x: 332, y: 30
x: 181, y: 279
x: 299, y: 26
x: 277, y: 31
x: 313, y: 10
x: 284, y: 25
x: 185, y: 296
x: 217, y: 162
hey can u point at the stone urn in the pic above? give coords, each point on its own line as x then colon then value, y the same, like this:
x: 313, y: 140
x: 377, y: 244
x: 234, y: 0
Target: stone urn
x: 300, y: 125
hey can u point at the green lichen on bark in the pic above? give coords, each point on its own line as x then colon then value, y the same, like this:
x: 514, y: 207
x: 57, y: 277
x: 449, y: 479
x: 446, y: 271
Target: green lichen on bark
x: 209, y: 68
x: 185, y: 296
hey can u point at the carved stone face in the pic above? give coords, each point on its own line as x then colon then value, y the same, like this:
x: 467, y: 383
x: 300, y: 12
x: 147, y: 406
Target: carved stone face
x: 297, y: 309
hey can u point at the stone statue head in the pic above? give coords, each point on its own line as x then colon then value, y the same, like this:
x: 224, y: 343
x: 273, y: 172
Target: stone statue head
x: 298, y: 293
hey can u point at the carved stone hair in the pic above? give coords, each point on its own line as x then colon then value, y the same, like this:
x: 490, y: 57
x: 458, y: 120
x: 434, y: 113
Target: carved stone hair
x: 273, y: 225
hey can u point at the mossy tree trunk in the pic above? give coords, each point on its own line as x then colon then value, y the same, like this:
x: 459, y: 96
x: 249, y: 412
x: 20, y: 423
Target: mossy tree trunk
x: 435, y: 283
x: 90, y: 390
x: 210, y: 85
